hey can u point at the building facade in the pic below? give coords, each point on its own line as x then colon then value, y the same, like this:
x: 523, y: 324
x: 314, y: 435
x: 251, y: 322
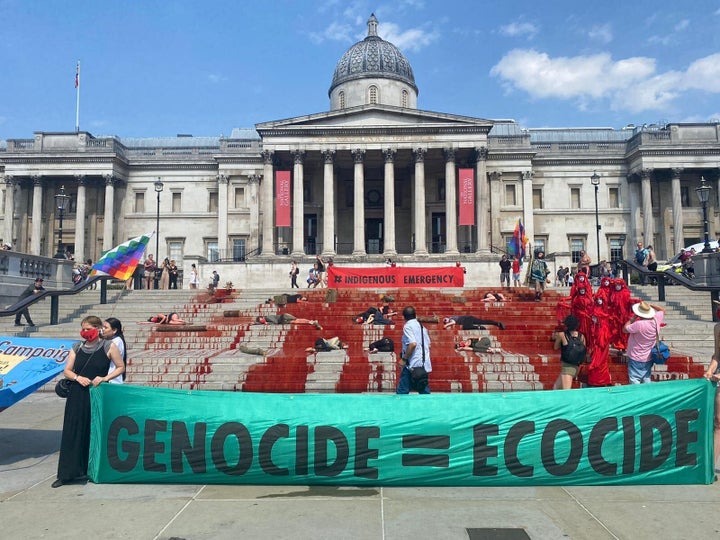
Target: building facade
x: 372, y: 177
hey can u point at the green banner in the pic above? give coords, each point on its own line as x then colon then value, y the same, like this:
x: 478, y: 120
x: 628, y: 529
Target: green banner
x: 641, y: 434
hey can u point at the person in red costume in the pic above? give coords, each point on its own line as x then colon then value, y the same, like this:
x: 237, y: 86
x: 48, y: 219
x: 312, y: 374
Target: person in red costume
x: 599, y: 345
x: 603, y: 291
x: 581, y: 282
x: 581, y: 306
x: 620, y: 303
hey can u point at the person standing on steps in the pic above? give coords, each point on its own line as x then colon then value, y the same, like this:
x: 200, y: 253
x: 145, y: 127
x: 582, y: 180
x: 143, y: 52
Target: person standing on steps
x: 415, y: 351
x: 505, y: 266
x: 294, y: 271
x: 644, y: 328
x: 35, y: 288
x: 539, y: 274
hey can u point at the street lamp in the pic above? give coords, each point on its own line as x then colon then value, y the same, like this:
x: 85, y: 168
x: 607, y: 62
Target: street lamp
x: 61, y: 202
x: 158, y: 189
x: 703, y: 193
x: 595, y: 181
x: 621, y: 241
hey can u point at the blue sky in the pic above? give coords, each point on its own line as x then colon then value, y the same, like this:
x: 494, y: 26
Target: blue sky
x: 158, y: 68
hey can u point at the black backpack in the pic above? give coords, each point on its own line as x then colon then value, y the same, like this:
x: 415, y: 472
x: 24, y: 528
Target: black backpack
x: 574, y: 352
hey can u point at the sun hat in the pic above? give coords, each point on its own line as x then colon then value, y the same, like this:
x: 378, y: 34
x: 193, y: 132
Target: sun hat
x: 643, y: 310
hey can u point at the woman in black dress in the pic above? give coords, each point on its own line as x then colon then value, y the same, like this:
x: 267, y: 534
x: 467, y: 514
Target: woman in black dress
x: 87, y: 365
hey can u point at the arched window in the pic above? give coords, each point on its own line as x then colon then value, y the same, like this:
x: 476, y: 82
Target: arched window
x: 341, y: 97
x: 373, y: 95
x: 404, y: 98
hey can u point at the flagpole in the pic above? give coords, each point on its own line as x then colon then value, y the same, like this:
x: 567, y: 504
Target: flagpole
x: 77, y: 105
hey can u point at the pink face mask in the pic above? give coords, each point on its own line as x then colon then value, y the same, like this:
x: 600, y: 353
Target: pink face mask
x: 89, y: 334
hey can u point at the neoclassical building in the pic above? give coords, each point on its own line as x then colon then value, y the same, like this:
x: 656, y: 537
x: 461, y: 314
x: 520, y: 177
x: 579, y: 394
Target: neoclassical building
x: 372, y: 177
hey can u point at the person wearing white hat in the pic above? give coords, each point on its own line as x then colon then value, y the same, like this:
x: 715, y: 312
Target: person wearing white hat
x: 644, y: 329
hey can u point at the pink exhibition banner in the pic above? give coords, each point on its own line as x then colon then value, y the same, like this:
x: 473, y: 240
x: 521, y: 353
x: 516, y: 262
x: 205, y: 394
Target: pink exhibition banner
x: 282, y: 199
x: 395, y: 277
x: 466, y: 196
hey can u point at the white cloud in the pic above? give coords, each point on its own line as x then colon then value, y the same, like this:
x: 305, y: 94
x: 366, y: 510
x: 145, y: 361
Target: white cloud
x: 515, y: 29
x: 704, y: 74
x: 602, y: 33
x: 682, y: 25
x: 593, y: 76
x: 412, y: 39
x: 336, y: 31
x: 216, y: 78
x: 630, y: 84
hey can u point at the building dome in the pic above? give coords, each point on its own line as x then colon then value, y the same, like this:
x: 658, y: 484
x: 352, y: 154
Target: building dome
x: 373, y: 58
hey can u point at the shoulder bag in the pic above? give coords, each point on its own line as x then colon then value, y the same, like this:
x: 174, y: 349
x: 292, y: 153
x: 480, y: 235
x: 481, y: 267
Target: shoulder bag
x: 62, y: 387
x: 660, y: 352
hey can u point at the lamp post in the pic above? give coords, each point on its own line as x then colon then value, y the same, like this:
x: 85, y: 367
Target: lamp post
x: 61, y: 202
x: 621, y: 240
x: 703, y: 193
x: 595, y: 181
x: 158, y: 188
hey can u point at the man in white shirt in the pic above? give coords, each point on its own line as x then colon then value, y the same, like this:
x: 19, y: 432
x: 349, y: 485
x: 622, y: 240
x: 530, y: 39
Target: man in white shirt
x: 415, y: 352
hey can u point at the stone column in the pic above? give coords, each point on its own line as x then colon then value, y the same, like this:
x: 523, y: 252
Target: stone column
x: 268, y: 228
x: 298, y: 214
x: 495, y: 180
x: 648, y: 228
x: 419, y: 210
x: 634, y: 234
x: 527, y: 202
x: 450, y: 203
x: 389, y: 249
x: 108, y: 223
x: 328, y: 235
x: 359, y: 203
x: 9, y: 210
x: 677, y: 211
x: 254, y: 239
x: 482, y: 200
x: 80, y: 218
x: 222, y: 217
x: 36, y: 231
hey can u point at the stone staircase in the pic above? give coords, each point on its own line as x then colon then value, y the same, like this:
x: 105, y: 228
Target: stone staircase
x: 211, y: 359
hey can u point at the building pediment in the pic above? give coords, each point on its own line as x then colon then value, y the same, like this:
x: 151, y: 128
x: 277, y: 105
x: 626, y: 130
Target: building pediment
x: 374, y: 117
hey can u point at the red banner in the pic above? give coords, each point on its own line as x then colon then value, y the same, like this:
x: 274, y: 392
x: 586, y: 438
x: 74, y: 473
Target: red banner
x: 466, y: 196
x: 395, y: 277
x: 282, y: 199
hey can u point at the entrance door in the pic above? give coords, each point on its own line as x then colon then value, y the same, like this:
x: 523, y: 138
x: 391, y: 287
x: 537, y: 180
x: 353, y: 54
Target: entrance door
x: 311, y: 227
x: 438, y: 233
x: 374, y: 235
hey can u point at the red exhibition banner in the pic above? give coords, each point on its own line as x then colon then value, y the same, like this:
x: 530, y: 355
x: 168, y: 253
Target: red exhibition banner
x: 395, y: 277
x: 282, y: 199
x: 466, y: 196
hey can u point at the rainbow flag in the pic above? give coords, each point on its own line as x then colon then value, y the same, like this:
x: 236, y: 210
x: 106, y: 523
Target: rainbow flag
x: 120, y: 262
x: 518, y: 241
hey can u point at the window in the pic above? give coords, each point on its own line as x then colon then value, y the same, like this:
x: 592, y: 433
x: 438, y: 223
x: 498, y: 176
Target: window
x: 616, y: 249
x: 239, y: 197
x: 175, y: 251
x: 575, y: 197
x: 685, y: 196
x: 341, y: 97
x: 614, y: 197
x: 2, y: 202
x: 213, y: 253
x: 510, y: 199
x: 238, y: 249
x: 176, y: 203
x: 539, y: 244
x: 576, y: 246
x: 404, y: 102
x: 441, y: 189
x: 213, y: 202
x: 537, y: 198
x: 373, y: 95
x: 139, y: 202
